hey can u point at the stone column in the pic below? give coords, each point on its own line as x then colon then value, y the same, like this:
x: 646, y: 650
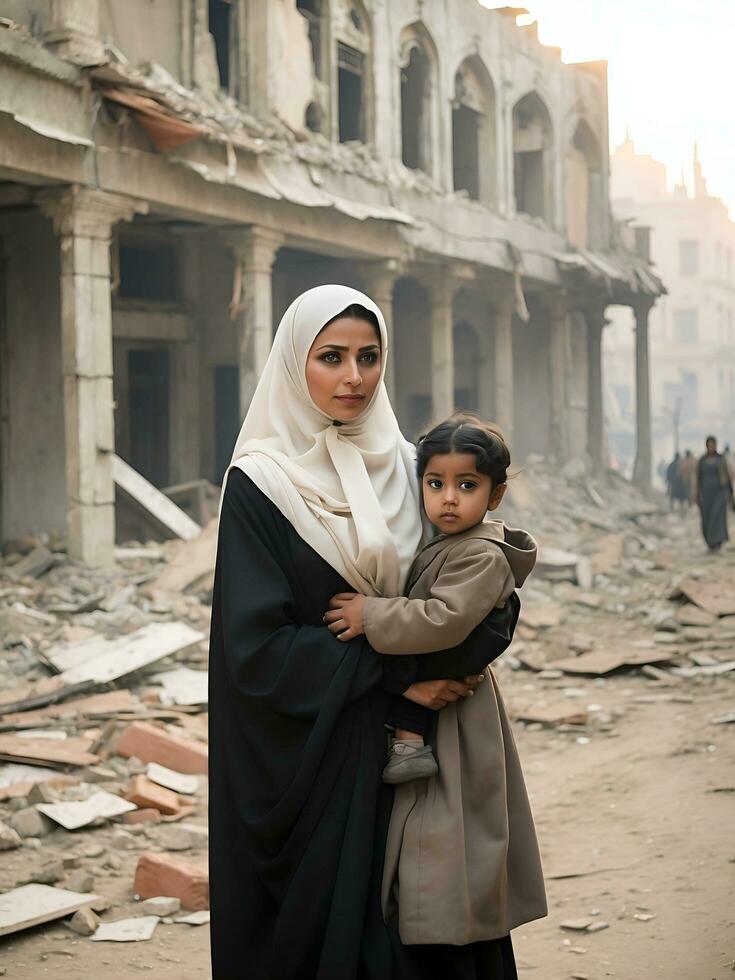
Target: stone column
x: 73, y: 31
x: 255, y: 250
x: 379, y: 279
x: 441, y: 289
x: 84, y: 219
x: 643, y: 453
x: 504, y: 307
x: 595, y: 321
x: 560, y: 356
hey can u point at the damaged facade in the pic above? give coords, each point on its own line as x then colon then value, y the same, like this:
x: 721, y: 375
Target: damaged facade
x: 174, y: 173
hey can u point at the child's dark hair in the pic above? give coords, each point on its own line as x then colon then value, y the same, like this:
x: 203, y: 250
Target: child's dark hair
x: 466, y: 433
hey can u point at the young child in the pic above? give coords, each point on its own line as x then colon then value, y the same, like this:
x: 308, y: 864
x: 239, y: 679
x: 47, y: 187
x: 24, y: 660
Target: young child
x: 456, y: 582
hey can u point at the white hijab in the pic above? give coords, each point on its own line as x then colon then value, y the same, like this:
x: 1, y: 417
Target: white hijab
x: 349, y: 490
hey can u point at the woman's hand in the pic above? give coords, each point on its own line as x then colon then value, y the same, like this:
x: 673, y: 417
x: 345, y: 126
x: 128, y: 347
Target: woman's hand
x: 437, y: 694
x: 345, y: 615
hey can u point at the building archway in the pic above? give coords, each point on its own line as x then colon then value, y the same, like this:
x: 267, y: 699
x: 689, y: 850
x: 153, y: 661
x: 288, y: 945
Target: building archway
x: 473, y: 131
x: 418, y: 63
x: 533, y: 158
x: 583, y: 191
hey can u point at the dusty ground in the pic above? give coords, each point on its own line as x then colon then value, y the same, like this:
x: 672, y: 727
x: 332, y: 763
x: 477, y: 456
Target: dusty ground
x: 635, y: 815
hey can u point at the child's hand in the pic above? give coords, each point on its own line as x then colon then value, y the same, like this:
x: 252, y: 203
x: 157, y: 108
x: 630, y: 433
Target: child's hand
x: 344, y: 616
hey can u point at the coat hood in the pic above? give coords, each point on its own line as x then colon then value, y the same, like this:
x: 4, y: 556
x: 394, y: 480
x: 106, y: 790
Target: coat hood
x: 518, y: 546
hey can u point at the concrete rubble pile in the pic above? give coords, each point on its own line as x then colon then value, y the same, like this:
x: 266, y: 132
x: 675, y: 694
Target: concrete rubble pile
x: 103, y: 723
x: 622, y: 596
x: 103, y: 737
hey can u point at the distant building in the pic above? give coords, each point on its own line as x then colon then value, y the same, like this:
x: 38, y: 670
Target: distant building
x: 692, y: 329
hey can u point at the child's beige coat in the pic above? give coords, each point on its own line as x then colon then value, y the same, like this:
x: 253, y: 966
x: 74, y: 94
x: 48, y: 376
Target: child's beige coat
x: 462, y: 862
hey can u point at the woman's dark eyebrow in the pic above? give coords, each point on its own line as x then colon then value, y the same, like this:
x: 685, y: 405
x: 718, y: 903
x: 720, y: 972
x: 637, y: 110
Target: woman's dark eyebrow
x: 360, y: 349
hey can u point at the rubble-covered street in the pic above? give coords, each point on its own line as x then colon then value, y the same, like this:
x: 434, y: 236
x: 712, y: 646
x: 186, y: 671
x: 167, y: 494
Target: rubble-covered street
x: 619, y: 681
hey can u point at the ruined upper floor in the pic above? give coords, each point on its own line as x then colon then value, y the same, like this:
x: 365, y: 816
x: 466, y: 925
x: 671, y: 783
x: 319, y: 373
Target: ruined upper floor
x: 442, y: 98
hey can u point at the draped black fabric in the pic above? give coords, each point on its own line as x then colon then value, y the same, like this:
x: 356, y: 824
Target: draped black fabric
x: 298, y: 812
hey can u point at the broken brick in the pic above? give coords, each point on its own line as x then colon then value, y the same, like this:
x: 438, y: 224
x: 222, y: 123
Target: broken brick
x: 162, y: 874
x: 146, y: 794
x: 146, y: 815
x: 151, y: 744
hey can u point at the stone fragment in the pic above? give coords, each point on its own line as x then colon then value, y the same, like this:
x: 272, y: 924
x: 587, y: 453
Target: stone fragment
x: 576, y: 925
x: 161, y: 905
x: 162, y: 874
x: 49, y: 874
x: 182, y: 837
x: 34, y: 564
x: 80, y: 881
x: 43, y: 793
x: 84, y: 922
x: 9, y: 838
x: 30, y: 823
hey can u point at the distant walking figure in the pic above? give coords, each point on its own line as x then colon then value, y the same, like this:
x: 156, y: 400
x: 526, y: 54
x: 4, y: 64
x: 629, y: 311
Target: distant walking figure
x: 675, y: 484
x: 714, y: 493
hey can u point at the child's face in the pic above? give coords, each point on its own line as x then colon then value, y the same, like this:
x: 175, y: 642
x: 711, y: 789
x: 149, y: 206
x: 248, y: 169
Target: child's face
x: 456, y: 496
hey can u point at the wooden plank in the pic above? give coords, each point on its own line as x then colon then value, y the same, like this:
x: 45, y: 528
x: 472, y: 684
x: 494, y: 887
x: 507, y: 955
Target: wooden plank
x: 128, y: 653
x: 30, y: 905
x: 70, y: 751
x: 156, y: 505
x: 594, y: 662
x: 111, y: 702
x: 192, y: 563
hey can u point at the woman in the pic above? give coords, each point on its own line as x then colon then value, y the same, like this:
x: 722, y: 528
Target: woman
x: 320, y: 498
x: 714, y: 493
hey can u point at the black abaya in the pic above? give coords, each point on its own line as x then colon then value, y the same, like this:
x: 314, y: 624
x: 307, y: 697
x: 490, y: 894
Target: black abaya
x: 298, y: 812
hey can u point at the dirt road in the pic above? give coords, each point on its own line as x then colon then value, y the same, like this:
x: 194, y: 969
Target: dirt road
x: 635, y: 813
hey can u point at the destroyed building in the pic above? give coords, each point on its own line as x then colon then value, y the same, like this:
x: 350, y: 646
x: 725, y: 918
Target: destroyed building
x: 693, y: 328
x: 173, y: 173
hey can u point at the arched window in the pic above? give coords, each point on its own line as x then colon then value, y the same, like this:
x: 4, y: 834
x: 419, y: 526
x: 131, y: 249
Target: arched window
x: 473, y: 131
x: 583, y: 190
x: 414, y: 110
x: 533, y: 157
x: 353, y: 74
x: 417, y: 60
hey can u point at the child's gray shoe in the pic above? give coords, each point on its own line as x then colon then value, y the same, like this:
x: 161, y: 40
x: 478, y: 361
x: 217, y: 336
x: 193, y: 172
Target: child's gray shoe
x: 407, y: 763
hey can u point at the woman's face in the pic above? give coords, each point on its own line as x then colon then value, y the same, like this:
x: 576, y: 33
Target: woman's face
x: 343, y: 368
x: 711, y: 447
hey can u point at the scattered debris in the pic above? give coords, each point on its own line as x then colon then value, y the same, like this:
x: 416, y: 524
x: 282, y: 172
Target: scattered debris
x: 717, y: 598
x: 151, y: 744
x: 200, y: 918
x: 161, y: 874
x: 138, y: 929
x: 73, y: 815
x: 101, y: 661
x: 179, y: 782
x: 30, y: 905
x: 84, y: 922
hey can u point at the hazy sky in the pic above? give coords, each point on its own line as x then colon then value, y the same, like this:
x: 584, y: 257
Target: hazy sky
x: 671, y: 74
